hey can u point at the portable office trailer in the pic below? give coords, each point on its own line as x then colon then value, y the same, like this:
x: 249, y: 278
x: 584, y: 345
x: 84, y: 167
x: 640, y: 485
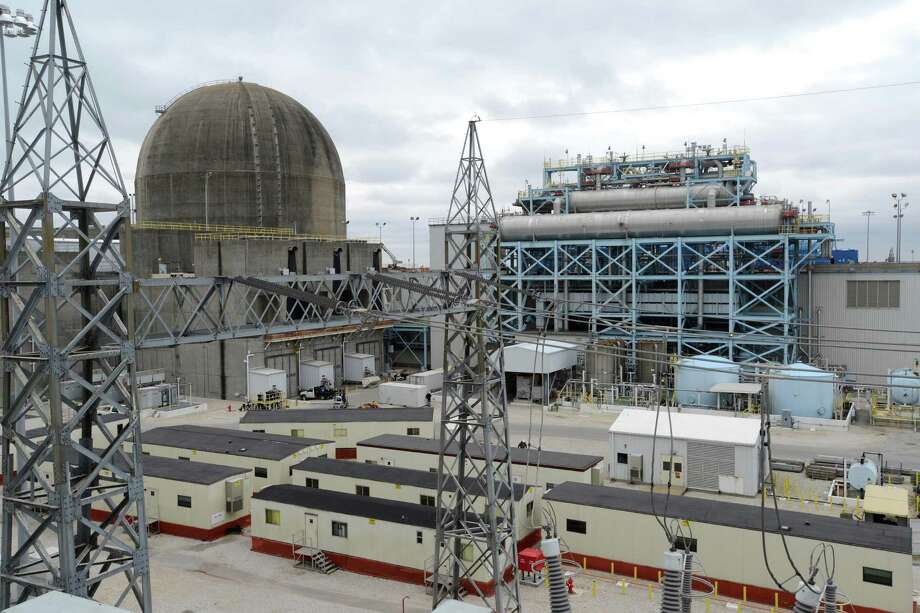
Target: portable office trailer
x: 707, y: 452
x: 359, y: 365
x: 613, y: 526
x: 371, y: 536
x: 344, y: 426
x: 431, y: 379
x: 402, y: 394
x: 410, y: 485
x: 314, y: 372
x: 422, y: 454
x: 262, y: 380
x: 191, y: 499
x: 269, y: 456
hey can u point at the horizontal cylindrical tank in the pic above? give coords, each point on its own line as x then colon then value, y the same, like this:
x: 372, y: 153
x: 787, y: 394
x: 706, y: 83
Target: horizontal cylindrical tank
x: 644, y: 198
x: 905, y: 386
x: 676, y: 222
x: 694, y: 377
x: 803, y: 390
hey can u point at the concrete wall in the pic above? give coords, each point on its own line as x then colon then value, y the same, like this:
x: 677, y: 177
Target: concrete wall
x: 544, y: 477
x: 843, y: 346
x: 526, y: 522
x: 279, y: 471
x: 346, y: 434
x: 731, y: 554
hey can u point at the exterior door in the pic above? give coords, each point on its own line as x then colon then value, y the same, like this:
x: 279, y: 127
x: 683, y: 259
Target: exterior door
x: 311, y: 530
x: 152, y: 504
x: 672, y: 466
x: 288, y: 363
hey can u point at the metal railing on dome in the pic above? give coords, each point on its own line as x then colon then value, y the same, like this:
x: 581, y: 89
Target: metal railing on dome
x: 218, y: 232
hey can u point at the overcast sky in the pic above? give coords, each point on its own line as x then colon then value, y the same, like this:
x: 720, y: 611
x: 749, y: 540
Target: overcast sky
x: 395, y: 82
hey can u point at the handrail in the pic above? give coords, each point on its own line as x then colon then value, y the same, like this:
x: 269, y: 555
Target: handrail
x: 162, y: 108
x: 617, y: 158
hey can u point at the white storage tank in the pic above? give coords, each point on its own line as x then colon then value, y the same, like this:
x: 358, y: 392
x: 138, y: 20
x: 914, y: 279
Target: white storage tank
x: 802, y: 390
x: 358, y: 366
x: 262, y: 380
x: 431, y: 379
x: 905, y: 386
x: 313, y: 372
x: 402, y: 394
x: 695, y: 376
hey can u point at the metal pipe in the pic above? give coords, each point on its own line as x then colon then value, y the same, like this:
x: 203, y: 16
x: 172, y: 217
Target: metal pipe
x: 685, y: 222
x: 644, y: 198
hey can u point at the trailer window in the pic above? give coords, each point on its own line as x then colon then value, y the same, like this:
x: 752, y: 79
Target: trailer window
x: 622, y: 458
x: 418, y: 538
x: 273, y: 517
x: 297, y: 432
x: 184, y: 501
x: 340, y: 528
x: 426, y: 500
x: 877, y: 576
x: 412, y: 431
x: 576, y: 525
x: 362, y: 490
x: 261, y: 471
x: 311, y: 482
x: 338, y: 432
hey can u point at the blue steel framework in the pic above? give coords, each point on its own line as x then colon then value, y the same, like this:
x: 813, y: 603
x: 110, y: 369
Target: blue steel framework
x: 640, y: 289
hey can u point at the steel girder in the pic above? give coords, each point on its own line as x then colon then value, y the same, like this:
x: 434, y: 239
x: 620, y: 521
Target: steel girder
x: 73, y: 516
x: 474, y: 551
x: 647, y: 289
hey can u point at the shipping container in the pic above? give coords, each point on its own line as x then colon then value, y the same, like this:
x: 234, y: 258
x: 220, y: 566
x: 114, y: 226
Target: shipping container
x: 313, y: 372
x: 359, y: 366
x: 431, y: 379
x: 403, y: 394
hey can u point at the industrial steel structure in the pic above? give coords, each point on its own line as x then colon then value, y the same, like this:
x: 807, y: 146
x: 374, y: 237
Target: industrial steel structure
x: 658, y: 248
x: 470, y: 543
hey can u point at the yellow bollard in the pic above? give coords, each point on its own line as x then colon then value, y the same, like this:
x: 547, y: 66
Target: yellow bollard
x: 612, y: 573
x: 716, y: 589
x: 635, y: 572
x: 708, y: 604
x: 744, y: 593
x: 594, y: 589
x: 776, y: 599
x: 659, y: 576
x: 650, y: 591
x: 623, y: 586
x: 545, y: 580
x: 584, y: 563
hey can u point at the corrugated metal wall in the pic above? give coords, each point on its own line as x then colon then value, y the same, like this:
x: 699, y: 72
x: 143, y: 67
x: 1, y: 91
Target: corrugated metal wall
x: 861, y: 352
x: 706, y: 461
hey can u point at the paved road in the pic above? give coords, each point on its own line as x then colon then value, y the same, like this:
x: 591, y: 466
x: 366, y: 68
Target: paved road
x: 588, y: 433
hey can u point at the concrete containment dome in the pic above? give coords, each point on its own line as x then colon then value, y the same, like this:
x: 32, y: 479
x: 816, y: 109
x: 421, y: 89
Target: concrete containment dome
x: 242, y: 154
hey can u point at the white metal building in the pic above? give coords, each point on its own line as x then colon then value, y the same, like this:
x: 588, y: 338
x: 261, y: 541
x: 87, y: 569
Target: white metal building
x: 710, y: 452
x: 409, y: 485
x: 537, y: 368
x: 543, y: 468
x: 614, y: 527
x: 850, y: 304
x: 344, y: 426
x: 269, y: 456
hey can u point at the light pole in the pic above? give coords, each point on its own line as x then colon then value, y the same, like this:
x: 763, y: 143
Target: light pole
x: 413, y: 220
x: 899, y: 215
x: 868, y: 215
x: 20, y: 26
x: 380, y: 225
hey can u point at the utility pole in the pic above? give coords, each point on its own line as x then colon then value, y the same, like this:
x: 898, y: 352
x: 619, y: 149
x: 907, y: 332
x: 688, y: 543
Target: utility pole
x: 413, y: 220
x: 868, y: 215
x: 899, y: 206
x: 68, y: 315
x: 475, y: 544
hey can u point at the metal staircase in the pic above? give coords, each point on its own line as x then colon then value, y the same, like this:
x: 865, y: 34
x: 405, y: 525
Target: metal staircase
x: 310, y: 558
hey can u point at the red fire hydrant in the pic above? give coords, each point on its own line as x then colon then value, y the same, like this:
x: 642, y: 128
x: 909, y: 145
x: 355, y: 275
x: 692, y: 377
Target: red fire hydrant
x: 570, y: 583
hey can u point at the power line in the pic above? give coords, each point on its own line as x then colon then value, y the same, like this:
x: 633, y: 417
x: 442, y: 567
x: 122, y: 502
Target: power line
x: 686, y: 105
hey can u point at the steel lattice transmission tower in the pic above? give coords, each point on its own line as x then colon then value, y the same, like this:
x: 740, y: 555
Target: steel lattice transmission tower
x: 66, y: 297
x: 475, y: 549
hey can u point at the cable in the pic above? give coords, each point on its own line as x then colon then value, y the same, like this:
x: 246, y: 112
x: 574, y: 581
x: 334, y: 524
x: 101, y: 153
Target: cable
x: 668, y: 107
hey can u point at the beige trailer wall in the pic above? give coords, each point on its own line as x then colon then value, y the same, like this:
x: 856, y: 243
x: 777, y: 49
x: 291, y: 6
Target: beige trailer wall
x: 521, y: 473
x: 346, y: 434
x: 367, y: 538
x: 278, y: 471
x: 527, y: 510
x: 733, y: 554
